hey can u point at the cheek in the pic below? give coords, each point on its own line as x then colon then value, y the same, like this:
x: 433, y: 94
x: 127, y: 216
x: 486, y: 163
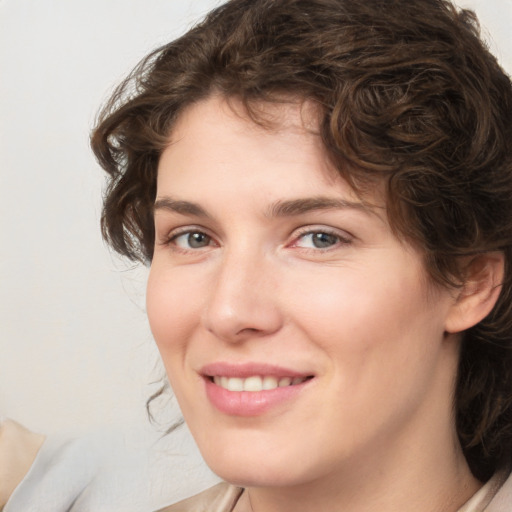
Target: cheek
x: 382, y: 339
x: 172, y: 309
x: 354, y: 312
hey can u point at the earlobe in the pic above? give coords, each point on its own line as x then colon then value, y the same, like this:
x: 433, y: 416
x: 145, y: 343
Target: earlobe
x: 479, y: 293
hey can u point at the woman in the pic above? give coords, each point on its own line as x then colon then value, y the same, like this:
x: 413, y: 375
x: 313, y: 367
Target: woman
x: 323, y: 189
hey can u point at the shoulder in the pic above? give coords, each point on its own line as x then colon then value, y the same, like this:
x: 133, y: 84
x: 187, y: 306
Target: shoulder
x: 220, y: 498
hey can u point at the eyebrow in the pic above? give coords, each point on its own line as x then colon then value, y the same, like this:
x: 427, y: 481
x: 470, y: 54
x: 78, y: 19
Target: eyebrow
x: 287, y: 208
x: 182, y: 207
x: 293, y: 207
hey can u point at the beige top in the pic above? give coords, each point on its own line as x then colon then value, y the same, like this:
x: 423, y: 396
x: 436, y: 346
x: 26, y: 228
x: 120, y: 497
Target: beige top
x: 494, y: 496
x: 219, y: 498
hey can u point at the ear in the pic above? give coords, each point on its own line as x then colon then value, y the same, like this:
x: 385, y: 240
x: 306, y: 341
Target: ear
x: 479, y: 293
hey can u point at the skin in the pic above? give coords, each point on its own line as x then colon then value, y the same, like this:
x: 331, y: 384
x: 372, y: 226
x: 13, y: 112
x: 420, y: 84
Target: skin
x: 233, y: 281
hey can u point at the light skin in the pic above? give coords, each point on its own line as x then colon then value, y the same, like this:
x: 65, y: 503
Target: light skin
x: 264, y: 255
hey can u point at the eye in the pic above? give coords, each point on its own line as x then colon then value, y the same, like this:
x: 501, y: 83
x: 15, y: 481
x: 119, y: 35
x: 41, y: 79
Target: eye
x: 319, y: 240
x: 191, y: 240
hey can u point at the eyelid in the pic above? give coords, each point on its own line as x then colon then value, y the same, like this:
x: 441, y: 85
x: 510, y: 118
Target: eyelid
x: 343, y: 236
x: 174, y: 233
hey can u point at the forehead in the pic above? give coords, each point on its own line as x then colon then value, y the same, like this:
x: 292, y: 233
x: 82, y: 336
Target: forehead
x: 219, y: 140
x: 286, y: 116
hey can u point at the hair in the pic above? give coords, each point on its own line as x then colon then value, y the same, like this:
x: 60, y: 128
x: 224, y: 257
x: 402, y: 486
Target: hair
x: 408, y: 95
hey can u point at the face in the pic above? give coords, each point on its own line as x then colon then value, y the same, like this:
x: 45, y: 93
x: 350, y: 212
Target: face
x: 293, y: 325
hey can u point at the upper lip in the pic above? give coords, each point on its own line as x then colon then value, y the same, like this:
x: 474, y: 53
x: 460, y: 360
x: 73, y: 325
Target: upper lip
x: 244, y: 370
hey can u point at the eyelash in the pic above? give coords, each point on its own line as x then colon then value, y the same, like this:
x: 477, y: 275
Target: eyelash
x: 170, y: 240
x: 340, y: 240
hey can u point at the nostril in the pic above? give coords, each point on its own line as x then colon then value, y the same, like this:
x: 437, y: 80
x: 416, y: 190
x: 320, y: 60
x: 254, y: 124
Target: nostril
x: 248, y: 330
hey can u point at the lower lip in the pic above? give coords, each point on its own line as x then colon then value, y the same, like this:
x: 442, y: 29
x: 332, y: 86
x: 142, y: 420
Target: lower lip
x: 250, y: 403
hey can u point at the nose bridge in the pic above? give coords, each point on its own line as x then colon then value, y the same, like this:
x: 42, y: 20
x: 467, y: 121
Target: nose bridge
x: 242, y: 299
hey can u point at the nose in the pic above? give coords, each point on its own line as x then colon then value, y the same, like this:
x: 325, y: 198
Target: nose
x: 242, y: 303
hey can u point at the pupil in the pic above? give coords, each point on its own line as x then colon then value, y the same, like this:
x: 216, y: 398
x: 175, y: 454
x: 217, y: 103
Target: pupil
x: 322, y: 240
x: 196, y: 240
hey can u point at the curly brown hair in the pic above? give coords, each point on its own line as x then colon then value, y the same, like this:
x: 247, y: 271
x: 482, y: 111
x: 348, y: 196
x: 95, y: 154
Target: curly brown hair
x: 409, y: 95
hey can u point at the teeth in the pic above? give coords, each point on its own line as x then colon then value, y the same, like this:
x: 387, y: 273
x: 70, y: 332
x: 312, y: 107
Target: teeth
x: 235, y: 384
x: 253, y: 384
x: 285, y: 381
x: 269, y: 383
x: 256, y: 383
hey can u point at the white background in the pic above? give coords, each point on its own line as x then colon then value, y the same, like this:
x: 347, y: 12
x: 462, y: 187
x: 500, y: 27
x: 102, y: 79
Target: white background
x: 75, y: 349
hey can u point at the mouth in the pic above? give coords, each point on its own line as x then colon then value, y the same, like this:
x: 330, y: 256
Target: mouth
x: 256, y: 383
x: 252, y: 389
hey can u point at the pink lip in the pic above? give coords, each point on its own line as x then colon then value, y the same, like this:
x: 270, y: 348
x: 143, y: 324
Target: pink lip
x: 249, y: 403
x: 248, y: 370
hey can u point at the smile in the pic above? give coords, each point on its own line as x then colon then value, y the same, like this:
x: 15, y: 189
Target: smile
x: 256, y: 383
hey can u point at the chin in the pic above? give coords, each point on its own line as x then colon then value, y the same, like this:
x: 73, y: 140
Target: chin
x: 254, y: 468
x: 262, y: 476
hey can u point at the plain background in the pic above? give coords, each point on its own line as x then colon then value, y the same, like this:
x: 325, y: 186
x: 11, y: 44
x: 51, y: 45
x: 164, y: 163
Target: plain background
x: 75, y: 348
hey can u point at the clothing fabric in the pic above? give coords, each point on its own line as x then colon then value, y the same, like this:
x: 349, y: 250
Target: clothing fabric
x: 18, y: 449
x: 222, y: 497
x: 494, y: 496
x: 108, y: 470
